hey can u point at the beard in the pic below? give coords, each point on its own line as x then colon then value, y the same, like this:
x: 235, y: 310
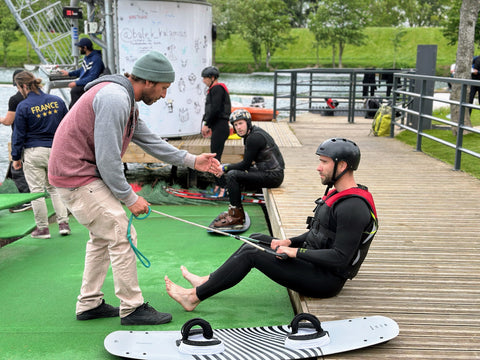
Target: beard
x: 83, y: 51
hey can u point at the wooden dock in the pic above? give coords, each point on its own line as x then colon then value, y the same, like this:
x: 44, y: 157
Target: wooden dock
x: 423, y: 268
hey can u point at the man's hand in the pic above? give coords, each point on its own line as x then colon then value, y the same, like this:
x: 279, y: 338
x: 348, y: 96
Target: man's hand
x: 140, y: 206
x: 72, y: 84
x: 207, y: 162
x: 206, y: 131
x: 64, y: 72
x: 291, y: 252
x: 276, y: 243
x: 17, y: 164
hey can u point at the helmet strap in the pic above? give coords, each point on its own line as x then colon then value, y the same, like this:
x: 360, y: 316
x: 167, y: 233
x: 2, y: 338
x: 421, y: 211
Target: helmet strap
x: 334, y: 177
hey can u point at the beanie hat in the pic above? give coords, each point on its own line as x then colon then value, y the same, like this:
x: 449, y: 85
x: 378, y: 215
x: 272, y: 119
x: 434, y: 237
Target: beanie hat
x: 153, y: 66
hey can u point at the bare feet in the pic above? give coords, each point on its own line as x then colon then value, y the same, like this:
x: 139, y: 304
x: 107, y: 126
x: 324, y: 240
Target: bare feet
x: 185, y: 297
x: 193, y: 279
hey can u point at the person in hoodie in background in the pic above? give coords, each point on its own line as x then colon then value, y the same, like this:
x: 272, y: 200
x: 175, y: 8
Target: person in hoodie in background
x: 92, y: 68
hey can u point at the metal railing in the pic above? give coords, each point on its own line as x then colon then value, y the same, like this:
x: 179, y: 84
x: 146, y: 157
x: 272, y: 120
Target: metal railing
x: 419, y: 121
x: 410, y: 96
x: 308, y: 89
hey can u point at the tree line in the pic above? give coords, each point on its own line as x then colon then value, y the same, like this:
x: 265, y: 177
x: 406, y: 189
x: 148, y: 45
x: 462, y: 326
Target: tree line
x: 265, y: 25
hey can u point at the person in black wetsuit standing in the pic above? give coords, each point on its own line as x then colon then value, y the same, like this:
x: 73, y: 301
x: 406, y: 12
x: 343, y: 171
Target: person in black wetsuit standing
x: 321, y: 259
x: 215, y: 119
x: 262, y: 167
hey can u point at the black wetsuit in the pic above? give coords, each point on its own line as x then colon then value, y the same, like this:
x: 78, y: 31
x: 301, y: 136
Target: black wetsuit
x: 217, y: 112
x: 262, y: 166
x: 330, y: 252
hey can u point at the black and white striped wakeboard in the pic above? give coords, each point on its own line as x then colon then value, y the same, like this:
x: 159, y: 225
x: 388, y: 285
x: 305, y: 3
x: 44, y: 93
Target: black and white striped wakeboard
x: 259, y: 343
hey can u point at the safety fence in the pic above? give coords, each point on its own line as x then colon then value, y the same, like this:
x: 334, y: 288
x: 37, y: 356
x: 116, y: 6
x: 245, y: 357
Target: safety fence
x: 418, y: 116
x: 409, y: 97
x: 332, y: 92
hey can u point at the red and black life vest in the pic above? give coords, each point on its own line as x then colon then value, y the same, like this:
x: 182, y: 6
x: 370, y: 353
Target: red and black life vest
x: 322, y: 233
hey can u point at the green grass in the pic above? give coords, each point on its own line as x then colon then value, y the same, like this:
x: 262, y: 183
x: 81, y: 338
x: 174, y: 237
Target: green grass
x: 469, y: 163
x: 233, y: 54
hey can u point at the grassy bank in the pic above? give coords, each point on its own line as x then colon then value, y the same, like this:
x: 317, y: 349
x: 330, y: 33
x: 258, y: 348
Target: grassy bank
x: 469, y: 163
x: 233, y: 55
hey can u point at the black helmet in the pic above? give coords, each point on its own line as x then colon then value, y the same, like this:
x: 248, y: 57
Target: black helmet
x: 241, y: 114
x: 340, y: 149
x: 210, y: 71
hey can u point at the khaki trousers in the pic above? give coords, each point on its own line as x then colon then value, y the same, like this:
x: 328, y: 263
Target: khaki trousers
x: 96, y: 208
x: 35, y: 168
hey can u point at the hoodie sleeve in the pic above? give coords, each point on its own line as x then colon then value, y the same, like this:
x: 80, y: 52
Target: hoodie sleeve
x: 112, y: 111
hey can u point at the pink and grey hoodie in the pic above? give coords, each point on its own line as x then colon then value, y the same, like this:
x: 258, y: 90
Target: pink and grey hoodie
x: 94, y: 135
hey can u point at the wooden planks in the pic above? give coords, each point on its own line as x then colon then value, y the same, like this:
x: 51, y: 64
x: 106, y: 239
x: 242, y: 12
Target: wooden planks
x: 423, y: 267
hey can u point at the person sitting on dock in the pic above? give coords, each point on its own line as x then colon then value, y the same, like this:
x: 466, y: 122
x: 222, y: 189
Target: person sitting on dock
x: 262, y: 167
x: 86, y: 166
x: 92, y: 68
x: 320, y: 260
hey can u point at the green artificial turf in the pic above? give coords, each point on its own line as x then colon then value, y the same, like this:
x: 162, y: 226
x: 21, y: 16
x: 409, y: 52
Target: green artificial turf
x: 14, y: 225
x: 10, y: 200
x: 40, y: 280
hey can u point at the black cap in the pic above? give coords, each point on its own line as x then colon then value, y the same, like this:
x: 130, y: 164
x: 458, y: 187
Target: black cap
x: 84, y: 42
x: 18, y: 71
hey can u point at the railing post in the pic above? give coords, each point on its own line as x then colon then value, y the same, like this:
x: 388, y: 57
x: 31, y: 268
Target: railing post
x: 351, y: 97
x: 275, y: 96
x: 461, y: 121
x: 293, y: 97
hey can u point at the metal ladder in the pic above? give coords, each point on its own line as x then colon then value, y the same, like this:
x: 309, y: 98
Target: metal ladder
x: 45, y: 28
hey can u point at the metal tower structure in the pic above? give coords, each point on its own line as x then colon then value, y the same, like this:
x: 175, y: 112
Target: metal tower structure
x: 45, y: 28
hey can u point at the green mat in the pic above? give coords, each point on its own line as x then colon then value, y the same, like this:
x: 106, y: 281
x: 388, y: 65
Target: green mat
x: 41, y: 279
x: 15, y: 225
x: 10, y: 200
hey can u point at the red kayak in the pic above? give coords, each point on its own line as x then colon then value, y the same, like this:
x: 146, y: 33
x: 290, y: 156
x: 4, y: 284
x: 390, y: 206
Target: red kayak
x: 258, y: 113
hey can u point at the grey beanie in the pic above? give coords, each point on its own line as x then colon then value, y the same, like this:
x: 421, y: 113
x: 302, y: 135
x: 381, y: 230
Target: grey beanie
x: 153, y: 66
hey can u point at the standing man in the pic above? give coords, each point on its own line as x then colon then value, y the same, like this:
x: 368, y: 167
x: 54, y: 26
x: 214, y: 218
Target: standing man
x: 215, y: 120
x: 17, y: 176
x: 474, y: 89
x: 92, y: 67
x: 320, y: 260
x: 262, y: 166
x: 36, y: 120
x: 86, y: 166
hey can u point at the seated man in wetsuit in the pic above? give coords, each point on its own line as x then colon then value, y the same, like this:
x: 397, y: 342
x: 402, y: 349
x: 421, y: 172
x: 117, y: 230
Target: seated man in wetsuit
x: 320, y: 260
x: 262, y: 167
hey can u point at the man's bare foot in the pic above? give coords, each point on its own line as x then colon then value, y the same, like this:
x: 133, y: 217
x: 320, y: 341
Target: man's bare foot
x: 185, y: 297
x: 193, y: 279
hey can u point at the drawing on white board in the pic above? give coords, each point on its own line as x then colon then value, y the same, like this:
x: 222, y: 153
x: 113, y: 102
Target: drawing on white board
x: 192, y: 78
x: 181, y: 85
x: 183, y: 115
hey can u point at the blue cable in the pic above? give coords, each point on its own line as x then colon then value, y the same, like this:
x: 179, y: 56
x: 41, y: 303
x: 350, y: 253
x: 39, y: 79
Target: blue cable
x: 143, y: 259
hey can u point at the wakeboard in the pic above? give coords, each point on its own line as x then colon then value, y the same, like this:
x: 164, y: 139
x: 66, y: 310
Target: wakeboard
x: 261, y: 343
x: 231, y: 230
x: 251, y: 198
